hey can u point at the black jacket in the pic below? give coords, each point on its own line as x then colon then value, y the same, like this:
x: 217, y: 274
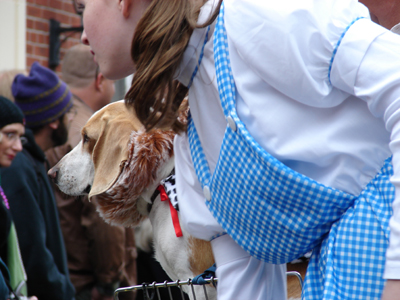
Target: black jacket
x: 5, y: 223
x: 34, y: 212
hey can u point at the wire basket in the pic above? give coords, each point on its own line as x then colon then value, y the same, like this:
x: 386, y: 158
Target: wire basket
x: 151, y: 290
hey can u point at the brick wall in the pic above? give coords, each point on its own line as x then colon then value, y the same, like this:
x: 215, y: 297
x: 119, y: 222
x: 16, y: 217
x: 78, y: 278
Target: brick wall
x: 38, y: 15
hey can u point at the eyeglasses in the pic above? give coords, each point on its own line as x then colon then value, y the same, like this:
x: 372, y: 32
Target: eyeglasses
x: 13, y: 137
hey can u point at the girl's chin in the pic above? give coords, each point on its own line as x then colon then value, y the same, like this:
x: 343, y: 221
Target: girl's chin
x: 114, y: 73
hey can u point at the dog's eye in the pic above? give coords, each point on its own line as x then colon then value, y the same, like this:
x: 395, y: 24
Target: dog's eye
x: 85, y: 138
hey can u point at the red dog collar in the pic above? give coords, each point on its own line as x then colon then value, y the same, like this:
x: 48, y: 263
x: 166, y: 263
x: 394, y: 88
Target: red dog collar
x: 174, y: 213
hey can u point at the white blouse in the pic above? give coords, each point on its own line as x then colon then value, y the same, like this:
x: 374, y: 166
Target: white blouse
x: 326, y: 106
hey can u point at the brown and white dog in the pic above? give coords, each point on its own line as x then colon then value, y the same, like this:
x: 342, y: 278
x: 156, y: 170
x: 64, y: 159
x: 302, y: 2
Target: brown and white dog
x: 122, y: 165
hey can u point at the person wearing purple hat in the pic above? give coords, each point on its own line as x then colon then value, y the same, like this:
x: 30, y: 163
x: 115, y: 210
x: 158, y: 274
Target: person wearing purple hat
x: 46, y: 103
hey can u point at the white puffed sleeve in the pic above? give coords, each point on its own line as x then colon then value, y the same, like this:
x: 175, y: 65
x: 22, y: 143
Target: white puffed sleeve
x: 377, y: 81
x: 290, y: 44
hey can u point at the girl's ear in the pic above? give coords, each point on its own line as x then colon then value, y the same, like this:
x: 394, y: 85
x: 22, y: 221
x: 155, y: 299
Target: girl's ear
x: 125, y: 6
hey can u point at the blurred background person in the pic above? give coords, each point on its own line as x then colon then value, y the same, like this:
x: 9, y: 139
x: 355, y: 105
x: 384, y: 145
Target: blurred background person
x: 385, y: 13
x: 101, y: 258
x: 46, y: 103
x: 11, y: 134
x: 6, y: 80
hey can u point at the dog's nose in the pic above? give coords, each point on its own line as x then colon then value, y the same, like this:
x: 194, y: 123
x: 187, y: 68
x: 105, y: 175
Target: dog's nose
x: 53, y: 172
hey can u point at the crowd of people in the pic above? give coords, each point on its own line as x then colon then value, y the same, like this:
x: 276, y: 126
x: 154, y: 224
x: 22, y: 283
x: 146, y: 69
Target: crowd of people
x: 54, y: 246
x: 292, y: 145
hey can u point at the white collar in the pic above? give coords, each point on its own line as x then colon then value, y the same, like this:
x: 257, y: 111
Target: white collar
x: 192, y: 52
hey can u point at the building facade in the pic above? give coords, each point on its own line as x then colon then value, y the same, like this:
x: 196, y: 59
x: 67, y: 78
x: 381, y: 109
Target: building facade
x: 25, y: 34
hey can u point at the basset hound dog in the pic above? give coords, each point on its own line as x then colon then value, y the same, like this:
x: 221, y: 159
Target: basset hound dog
x: 122, y: 165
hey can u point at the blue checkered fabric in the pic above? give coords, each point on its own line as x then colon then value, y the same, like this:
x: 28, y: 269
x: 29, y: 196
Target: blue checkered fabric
x: 349, y: 263
x: 277, y: 214
x: 273, y: 212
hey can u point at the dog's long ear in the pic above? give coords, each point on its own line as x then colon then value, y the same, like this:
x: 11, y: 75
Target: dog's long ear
x: 147, y: 154
x: 111, y: 148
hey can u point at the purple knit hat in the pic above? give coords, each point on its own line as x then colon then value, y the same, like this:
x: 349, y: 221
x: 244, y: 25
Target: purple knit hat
x: 42, y: 96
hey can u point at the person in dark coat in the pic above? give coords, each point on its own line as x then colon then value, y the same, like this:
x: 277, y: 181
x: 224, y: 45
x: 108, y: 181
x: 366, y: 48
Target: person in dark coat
x: 11, y: 130
x: 12, y: 272
x: 47, y: 106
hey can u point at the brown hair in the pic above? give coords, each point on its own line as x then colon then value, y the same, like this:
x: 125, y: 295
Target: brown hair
x: 158, y: 45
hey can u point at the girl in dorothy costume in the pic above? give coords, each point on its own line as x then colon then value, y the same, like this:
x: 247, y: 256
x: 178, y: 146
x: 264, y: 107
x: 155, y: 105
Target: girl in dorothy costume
x: 293, y: 140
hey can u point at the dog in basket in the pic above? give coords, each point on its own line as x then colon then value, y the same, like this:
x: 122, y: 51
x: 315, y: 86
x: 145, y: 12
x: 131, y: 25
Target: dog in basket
x: 122, y: 165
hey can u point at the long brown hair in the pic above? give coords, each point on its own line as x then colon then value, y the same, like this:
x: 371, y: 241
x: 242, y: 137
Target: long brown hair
x: 158, y: 45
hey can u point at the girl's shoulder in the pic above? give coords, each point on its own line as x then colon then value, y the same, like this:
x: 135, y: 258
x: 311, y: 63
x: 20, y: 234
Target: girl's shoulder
x: 292, y: 14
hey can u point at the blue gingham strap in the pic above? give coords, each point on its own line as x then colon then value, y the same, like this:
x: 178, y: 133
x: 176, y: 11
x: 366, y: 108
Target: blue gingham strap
x: 226, y: 83
x: 200, y: 58
x: 226, y: 93
x: 198, y: 157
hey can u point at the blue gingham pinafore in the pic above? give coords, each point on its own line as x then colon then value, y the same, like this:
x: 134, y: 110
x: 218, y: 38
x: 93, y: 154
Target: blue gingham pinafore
x: 277, y: 214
